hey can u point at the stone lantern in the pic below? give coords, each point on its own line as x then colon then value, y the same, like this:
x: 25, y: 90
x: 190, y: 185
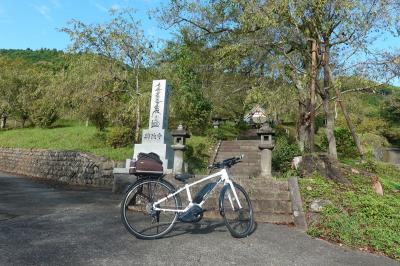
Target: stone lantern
x: 180, y: 135
x: 266, y: 146
x: 216, y: 121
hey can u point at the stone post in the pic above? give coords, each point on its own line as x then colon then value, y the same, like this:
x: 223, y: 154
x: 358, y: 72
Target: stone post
x: 266, y: 146
x: 180, y: 135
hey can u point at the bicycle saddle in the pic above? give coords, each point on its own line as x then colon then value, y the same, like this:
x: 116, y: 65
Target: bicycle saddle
x: 183, y: 177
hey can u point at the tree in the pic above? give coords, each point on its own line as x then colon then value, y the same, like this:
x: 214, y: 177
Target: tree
x: 121, y: 40
x: 292, y: 32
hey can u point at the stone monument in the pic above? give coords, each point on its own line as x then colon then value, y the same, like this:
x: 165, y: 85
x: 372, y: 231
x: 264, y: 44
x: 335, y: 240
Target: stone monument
x: 156, y: 138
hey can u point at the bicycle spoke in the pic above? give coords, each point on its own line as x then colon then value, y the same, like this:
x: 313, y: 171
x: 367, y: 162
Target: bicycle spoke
x: 138, y: 214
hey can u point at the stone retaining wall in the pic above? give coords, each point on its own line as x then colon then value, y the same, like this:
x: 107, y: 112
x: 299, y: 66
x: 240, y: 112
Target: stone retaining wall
x: 67, y: 166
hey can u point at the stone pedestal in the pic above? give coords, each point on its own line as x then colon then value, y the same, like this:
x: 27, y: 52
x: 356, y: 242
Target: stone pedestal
x: 178, y: 158
x: 266, y: 146
x: 266, y: 160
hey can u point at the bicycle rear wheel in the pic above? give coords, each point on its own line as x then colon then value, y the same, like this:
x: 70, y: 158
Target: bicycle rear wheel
x: 137, y: 213
x: 239, y: 221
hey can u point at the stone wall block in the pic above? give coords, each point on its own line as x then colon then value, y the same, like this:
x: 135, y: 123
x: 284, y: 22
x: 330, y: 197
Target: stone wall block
x: 66, y: 166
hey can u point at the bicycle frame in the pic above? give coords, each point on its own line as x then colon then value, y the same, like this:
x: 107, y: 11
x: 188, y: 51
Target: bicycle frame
x: 224, y: 177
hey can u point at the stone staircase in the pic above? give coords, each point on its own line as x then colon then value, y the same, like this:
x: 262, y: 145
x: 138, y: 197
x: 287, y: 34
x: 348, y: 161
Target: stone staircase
x: 250, y: 166
x: 270, y: 197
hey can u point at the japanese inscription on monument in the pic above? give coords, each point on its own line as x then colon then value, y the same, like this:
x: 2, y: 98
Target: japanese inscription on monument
x: 157, y: 138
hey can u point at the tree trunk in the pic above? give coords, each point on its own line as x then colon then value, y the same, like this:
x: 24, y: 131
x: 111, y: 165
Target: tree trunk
x: 137, y: 126
x: 330, y: 126
x: 312, y: 94
x: 343, y: 107
x: 3, y: 121
x: 303, y: 126
x: 330, y: 118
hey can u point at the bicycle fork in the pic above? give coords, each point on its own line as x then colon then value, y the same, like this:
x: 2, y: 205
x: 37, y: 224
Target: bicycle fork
x: 228, y: 185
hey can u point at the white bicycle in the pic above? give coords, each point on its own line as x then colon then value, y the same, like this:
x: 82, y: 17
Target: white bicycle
x: 152, y: 205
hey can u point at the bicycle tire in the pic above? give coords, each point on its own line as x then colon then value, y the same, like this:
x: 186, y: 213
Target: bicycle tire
x: 236, y: 217
x: 134, y: 202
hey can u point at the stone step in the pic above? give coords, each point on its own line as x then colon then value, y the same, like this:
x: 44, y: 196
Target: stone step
x: 240, y: 142
x: 250, y: 173
x: 237, y: 153
x: 239, y: 148
x: 248, y: 157
x: 261, y: 217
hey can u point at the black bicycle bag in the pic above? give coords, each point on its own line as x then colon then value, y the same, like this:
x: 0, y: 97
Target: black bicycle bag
x: 147, y: 164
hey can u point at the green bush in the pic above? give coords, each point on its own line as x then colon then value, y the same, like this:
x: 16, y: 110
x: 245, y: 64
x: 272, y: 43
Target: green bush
x: 344, y: 143
x: 98, y: 118
x: 370, y: 142
x: 44, y: 115
x: 283, y: 153
x: 198, y: 153
x: 119, y: 137
x: 226, y: 131
x: 393, y: 135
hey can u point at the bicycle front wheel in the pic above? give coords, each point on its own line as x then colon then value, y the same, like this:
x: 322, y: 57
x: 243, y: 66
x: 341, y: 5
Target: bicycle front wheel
x: 238, y: 219
x: 137, y: 212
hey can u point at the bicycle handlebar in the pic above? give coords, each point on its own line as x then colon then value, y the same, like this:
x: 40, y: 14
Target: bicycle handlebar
x: 227, y: 162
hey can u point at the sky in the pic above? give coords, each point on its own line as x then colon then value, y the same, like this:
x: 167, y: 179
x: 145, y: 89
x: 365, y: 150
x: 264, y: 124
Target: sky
x: 34, y: 24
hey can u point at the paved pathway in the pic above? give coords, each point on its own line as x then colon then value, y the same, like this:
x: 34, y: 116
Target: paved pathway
x: 46, y: 225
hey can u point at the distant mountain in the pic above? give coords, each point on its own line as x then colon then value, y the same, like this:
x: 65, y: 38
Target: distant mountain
x: 53, y: 56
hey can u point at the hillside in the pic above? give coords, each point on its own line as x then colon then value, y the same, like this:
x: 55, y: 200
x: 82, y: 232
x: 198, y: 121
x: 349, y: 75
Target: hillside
x: 34, y: 56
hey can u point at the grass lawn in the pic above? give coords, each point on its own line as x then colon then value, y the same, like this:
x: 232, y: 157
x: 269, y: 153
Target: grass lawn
x: 64, y: 136
x: 358, y: 216
x: 69, y: 135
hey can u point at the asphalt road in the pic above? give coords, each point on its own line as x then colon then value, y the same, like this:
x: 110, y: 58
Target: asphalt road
x: 44, y: 224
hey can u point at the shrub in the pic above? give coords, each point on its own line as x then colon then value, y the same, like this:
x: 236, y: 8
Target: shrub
x: 370, y: 142
x: 98, y: 118
x: 119, y: 137
x: 283, y: 153
x: 393, y: 135
x: 344, y: 143
x: 226, y: 131
x: 44, y: 115
x: 197, y: 154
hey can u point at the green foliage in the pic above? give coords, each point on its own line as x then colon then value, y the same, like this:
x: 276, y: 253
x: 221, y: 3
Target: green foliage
x: 189, y: 103
x: 118, y: 137
x: 358, y: 216
x: 344, y: 143
x: 44, y: 114
x: 54, y: 57
x: 98, y: 118
x: 314, y: 231
x: 391, y: 108
x: 284, y: 152
x: 393, y: 135
x: 198, y: 153
x: 226, y: 131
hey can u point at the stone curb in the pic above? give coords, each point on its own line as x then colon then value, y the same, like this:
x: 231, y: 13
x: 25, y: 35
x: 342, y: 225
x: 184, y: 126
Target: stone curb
x: 297, y: 205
